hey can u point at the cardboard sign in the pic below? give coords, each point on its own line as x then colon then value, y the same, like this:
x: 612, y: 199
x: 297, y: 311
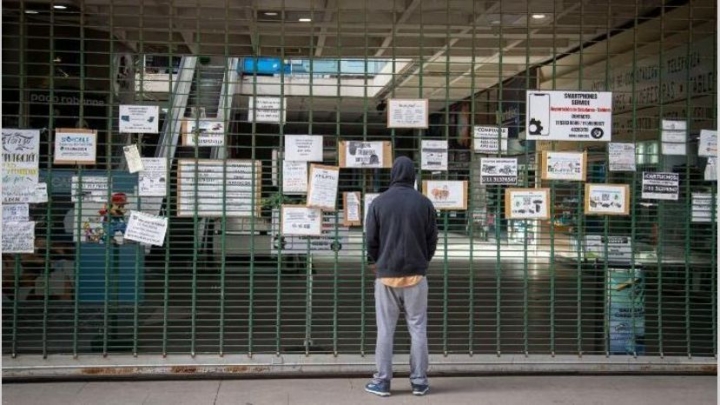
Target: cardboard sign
x: 365, y: 155
x: 527, y: 203
x: 446, y: 195
x: 75, y: 146
x: 352, y: 212
x: 607, y: 199
x: 564, y: 166
x: 323, y: 187
x: 568, y: 116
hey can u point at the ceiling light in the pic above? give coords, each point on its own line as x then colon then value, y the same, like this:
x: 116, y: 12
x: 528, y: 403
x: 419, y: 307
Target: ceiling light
x: 538, y: 16
x: 305, y: 19
x: 270, y: 13
x: 59, y: 7
x: 31, y: 12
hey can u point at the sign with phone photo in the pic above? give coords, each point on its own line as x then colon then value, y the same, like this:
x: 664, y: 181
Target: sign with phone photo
x: 569, y: 116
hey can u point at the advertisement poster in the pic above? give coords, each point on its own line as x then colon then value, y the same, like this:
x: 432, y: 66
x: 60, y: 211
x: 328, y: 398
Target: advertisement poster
x: 527, y: 203
x: 407, y: 113
x: 446, y: 195
x: 297, y: 220
x: 152, y: 181
x: 351, y: 209
x: 622, y: 157
x: 323, y: 187
x: 89, y: 188
x: 21, y: 157
x: 626, y: 310
x: 660, y: 186
x: 490, y: 140
x: 607, y: 199
x: 18, y: 237
x: 434, y: 155
x: 304, y: 148
x: 702, y: 208
x: 224, y: 187
x: 708, y: 143
x: 132, y: 157
x: 294, y: 177
x: 203, y: 133
x: 369, y: 197
x: 568, y: 116
x: 75, y: 146
x: 332, y: 238
x: 146, y: 229
x: 498, y: 171
x: 15, y: 213
x: 564, y: 166
x: 358, y: 154
x: 269, y: 109
x: 139, y: 119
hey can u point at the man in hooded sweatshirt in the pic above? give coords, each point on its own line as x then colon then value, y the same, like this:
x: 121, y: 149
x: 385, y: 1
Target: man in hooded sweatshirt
x: 401, y: 233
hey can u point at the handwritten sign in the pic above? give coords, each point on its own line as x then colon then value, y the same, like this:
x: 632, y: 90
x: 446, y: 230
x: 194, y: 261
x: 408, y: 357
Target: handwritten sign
x: 407, y: 113
x: 360, y: 154
x: 41, y: 194
x: 266, y: 109
x: 75, y: 146
x: 333, y: 237
x: 15, y: 212
x: 304, y: 148
x: 18, y: 237
x: 213, y: 188
x: 295, y: 177
x: 322, y: 191
x: 298, y: 220
x: 139, y: 119
x: 152, y: 181
x: 132, y: 157
x: 147, y: 229
x: 21, y: 157
x: 351, y: 209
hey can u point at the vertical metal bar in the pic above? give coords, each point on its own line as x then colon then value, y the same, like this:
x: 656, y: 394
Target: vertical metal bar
x: 445, y: 213
x: 363, y: 270
x: 138, y: 247
x: 108, y: 163
x: 633, y: 197
x: 338, y: 130
x: 661, y: 205
x: 471, y: 197
x: 525, y: 234
x: 227, y: 104
x: 688, y: 191
x: 280, y: 162
x: 196, y: 194
x: 310, y: 282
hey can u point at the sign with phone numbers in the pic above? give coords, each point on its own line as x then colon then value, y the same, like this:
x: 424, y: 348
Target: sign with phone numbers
x: 569, y: 116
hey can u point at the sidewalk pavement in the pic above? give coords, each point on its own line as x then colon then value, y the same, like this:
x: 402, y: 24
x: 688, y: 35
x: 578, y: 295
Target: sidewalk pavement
x: 503, y: 390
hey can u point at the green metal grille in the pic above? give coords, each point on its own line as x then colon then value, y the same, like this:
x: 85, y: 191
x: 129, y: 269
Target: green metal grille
x: 497, y: 286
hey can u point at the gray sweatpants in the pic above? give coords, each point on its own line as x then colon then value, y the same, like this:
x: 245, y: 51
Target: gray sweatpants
x: 389, y: 302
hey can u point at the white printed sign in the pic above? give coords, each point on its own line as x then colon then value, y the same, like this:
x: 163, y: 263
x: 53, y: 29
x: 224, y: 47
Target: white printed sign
x: 434, y: 155
x: 75, y: 146
x: 674, y: 125
x: 147, y: 229
x: 607, y: 199
x: 333, y: 238
x: 563, y: 166
x: 213, y: 188
x: 369, y: 197
x: 204, y: 133
x: 660, y: 186
x: 295, y: 177
x: 89, y: 188
x: 403, y: 113
x: 674, y: 149
x: 568, y: 116
x: 41, y: 194
x: 269, y: 109
x: 364, y: 154
x: 139, y: 119
x: 674, y: 136
x: 304, y: 148
x: 499, y: 171
x: 618, y: 247
x: 15, y: 212
x: 20, y: 161
x: 301, y: 221
x: 527, y: 203
x: 323, y: 187
x: 446, y: 195
x: 490, y: 140
x: 351, y: 208
x: 708, y: 143
x: 711, y: 169
x: 18, y: 237
x: 622, y: 157
x: 132, y: 157
x: 152, y: 181
x: 702, y: 207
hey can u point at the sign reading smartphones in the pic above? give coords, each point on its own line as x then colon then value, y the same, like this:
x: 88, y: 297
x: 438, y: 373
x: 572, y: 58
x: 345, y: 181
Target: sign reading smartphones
x: 569, y: 116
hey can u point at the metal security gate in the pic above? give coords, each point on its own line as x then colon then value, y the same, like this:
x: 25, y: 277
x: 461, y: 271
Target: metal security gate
x: 232, y: 104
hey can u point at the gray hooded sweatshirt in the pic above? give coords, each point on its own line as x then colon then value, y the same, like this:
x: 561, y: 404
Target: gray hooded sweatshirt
x: 401, y: 229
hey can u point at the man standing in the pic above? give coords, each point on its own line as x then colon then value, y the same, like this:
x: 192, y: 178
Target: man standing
x: 401, y: 240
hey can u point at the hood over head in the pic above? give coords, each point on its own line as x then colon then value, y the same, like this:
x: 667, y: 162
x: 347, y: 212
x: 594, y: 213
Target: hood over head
x: 403, y: 172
